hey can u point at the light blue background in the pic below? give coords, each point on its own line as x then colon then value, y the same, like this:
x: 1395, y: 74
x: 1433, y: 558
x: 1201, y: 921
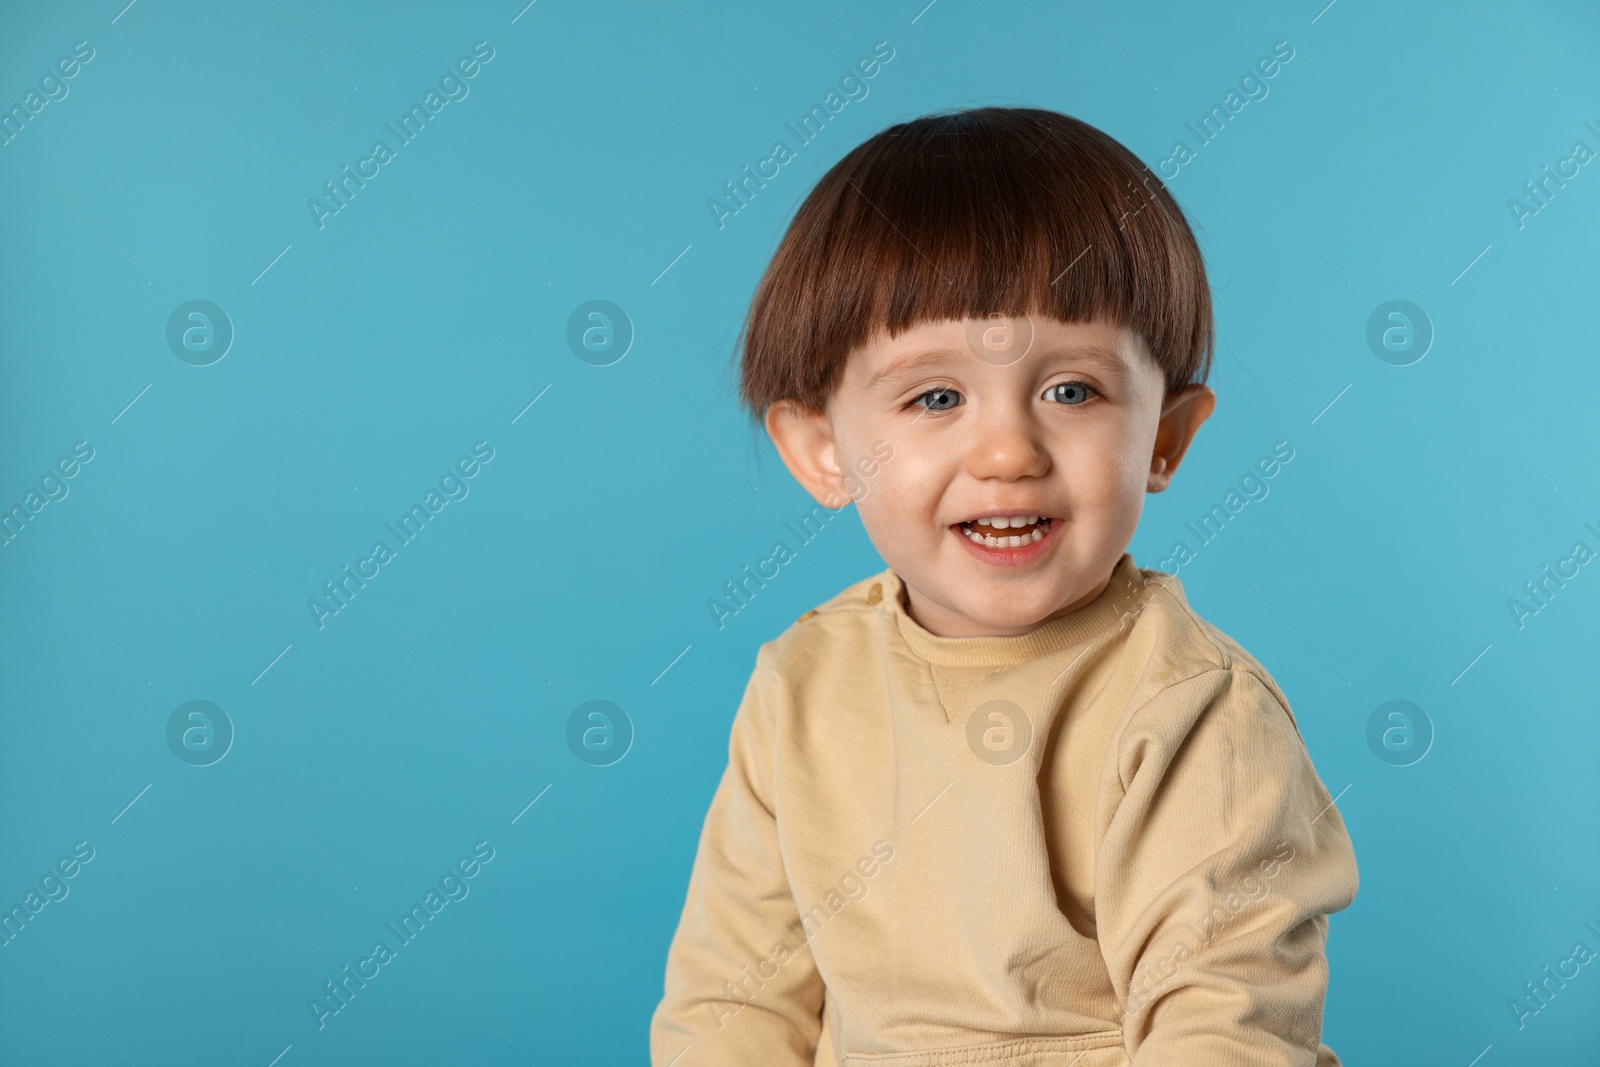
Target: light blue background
x: 430, y: 712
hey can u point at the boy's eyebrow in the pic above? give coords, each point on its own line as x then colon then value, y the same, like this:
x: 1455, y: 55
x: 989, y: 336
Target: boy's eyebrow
x: 906, y: 366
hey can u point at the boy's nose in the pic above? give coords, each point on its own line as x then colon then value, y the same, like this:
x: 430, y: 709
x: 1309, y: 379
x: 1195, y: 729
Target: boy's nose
x: 1007, y: 451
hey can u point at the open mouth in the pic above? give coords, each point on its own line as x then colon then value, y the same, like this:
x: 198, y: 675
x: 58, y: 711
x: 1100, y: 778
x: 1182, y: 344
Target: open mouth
x: 1003, y: 532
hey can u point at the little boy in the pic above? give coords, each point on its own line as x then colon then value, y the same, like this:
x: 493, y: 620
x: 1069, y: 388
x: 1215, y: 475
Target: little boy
x: 1010, y: 800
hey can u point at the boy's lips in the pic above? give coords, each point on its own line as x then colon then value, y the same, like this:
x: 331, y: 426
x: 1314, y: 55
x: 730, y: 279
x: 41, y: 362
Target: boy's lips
x: 1010, y: 545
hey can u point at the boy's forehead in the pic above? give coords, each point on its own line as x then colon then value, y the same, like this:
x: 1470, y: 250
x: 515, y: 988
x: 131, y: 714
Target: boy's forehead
x: 886, y: 359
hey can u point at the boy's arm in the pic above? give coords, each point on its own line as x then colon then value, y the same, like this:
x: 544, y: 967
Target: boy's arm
x: 741, y: 986
x: 1215, y: 877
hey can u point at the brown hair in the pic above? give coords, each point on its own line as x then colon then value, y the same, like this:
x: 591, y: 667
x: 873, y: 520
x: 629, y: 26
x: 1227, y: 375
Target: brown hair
x: 967, y: 213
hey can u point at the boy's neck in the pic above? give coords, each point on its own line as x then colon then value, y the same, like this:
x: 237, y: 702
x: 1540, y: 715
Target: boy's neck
x: 940, y: 626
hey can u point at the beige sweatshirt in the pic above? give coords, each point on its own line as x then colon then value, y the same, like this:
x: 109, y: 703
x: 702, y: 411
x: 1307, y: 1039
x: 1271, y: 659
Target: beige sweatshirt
x: 1099, y: 844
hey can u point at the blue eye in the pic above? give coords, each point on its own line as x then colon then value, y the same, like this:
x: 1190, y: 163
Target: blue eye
x: 1076, y: 393
x: 942, y: 400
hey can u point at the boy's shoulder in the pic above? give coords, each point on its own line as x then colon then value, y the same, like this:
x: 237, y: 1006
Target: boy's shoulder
x: 836, y: 639
x: 1189, y: 645
x: 841, y: 621
x: 857, y: 598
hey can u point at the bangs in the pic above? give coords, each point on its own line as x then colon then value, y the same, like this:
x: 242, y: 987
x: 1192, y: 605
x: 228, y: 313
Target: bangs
x: 993, y: 210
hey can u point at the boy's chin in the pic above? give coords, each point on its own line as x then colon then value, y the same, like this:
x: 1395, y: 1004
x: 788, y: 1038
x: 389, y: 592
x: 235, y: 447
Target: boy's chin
x: 1002, y: 612
x: 1001, y: 606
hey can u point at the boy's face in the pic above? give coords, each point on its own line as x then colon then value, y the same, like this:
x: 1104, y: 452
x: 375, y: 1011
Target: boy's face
x: 1021, y: 417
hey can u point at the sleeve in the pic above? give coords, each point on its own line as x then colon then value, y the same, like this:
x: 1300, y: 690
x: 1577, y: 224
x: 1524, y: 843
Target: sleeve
x: 1216, y: 874
x: 741, y: 985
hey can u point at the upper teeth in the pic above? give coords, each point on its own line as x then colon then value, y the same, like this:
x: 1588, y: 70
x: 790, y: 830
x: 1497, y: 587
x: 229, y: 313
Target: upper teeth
x: 1000, y: 522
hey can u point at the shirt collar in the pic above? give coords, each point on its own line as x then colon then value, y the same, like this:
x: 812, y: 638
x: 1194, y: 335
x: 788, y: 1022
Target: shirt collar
x: 1122, y: 598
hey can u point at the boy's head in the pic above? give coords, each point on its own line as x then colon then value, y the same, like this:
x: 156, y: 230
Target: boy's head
x: 998, y: 311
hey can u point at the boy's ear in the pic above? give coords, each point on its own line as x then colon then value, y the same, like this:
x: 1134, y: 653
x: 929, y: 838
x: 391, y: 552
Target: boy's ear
x: 804, y: 439
x: 1181, y: 416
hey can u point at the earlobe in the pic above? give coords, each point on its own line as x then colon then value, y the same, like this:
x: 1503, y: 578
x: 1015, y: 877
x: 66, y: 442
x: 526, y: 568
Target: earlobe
x: 804, y: 440
x: 1181, y: 417
x: 1158, y: 467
